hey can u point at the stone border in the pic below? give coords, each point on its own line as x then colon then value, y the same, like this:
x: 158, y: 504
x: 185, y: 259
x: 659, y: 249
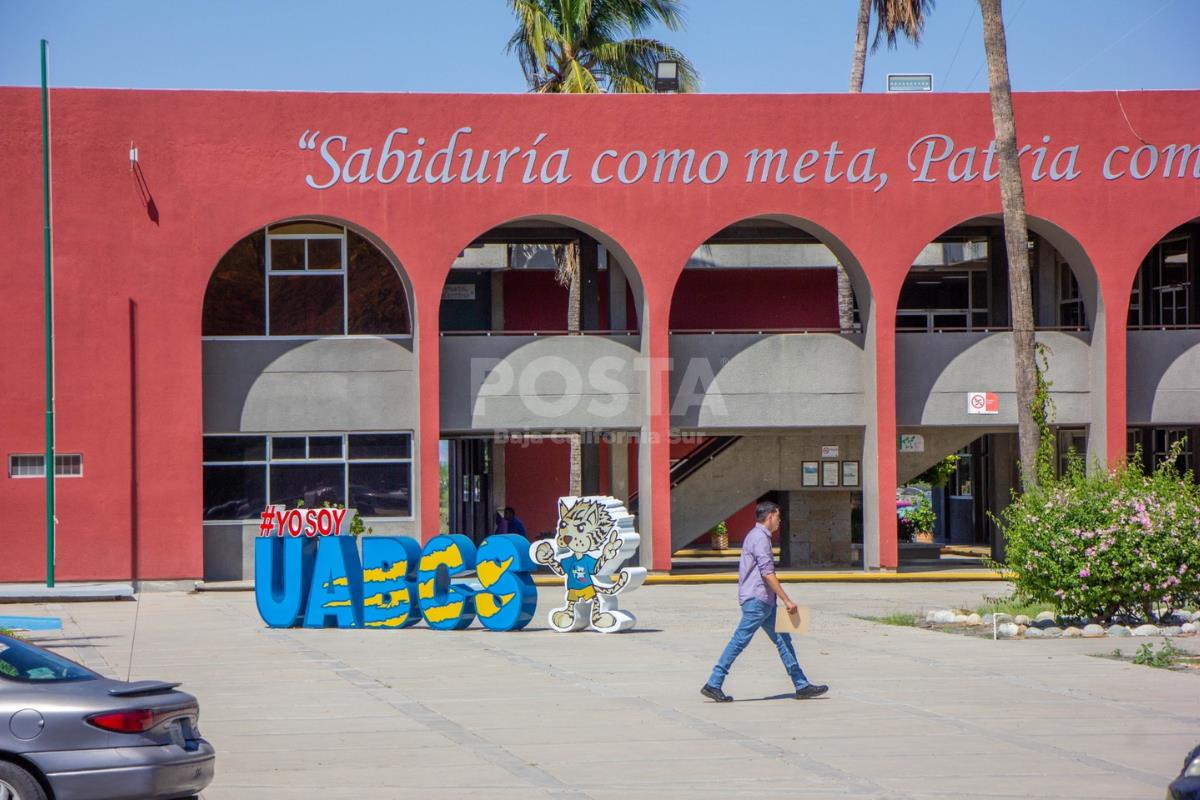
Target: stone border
x: 1047, y: 625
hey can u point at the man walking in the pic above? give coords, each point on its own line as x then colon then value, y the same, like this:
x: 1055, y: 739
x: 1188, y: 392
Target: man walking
x: 758, y: 587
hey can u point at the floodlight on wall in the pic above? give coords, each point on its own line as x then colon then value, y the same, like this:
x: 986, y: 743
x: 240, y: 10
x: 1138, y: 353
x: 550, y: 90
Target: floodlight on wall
x: 666, y: 76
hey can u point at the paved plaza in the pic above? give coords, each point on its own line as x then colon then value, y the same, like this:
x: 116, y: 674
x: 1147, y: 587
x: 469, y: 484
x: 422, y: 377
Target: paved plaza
x: 419, y: 713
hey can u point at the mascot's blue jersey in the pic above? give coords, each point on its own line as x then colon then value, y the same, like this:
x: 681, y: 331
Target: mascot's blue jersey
x: 579, y: 570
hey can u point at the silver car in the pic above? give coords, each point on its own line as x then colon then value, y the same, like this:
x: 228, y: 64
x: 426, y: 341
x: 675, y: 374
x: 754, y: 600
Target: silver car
x: 67, y: 733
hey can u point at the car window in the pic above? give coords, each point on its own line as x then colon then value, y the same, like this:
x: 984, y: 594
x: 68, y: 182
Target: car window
x: 28, y: 664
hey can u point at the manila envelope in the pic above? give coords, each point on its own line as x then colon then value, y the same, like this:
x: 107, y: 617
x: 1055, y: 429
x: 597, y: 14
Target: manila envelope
x: 792, y: 623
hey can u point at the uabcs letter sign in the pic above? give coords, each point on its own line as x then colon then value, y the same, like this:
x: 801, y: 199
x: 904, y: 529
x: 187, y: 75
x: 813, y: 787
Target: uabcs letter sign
x: 309, y: 572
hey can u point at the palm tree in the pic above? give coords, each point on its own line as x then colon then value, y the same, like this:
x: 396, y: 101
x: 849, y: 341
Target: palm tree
x: 577, y: 46
x: 892, y: 19
x: 1016, y: 235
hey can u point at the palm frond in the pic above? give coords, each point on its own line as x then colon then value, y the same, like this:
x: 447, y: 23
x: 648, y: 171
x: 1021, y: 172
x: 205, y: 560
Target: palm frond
x: 899, y: 17
x: 630, y: 65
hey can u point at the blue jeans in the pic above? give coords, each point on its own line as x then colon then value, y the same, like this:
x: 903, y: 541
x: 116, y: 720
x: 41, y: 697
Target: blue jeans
x: 755, y: 615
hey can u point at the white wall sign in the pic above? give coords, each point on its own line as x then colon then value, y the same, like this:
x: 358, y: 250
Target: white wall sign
x: 911, y: 443
x: 983, y: 403
x: 458, y: 291
x: 829, y: 451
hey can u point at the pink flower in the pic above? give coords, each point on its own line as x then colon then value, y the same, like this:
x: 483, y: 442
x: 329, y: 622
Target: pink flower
x: 1085, y: 573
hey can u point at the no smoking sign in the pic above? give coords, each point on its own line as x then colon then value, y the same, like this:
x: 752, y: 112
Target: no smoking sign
x: 983, y: 403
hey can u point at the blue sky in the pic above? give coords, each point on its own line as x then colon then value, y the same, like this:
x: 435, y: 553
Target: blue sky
x: 458, y: 45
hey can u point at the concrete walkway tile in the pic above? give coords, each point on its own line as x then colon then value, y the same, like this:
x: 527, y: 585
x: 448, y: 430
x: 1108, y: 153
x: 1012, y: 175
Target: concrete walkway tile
x: 1044, y: 787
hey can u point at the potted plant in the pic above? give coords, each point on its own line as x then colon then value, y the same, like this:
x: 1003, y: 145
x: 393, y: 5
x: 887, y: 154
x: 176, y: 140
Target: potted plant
x: 922, y: 520
x: 720, y: 536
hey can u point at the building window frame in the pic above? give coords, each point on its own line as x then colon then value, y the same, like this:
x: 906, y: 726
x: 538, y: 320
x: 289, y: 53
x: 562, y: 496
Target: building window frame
x: 326, y: 272
x: 345, y: 461
x: 33, y: 465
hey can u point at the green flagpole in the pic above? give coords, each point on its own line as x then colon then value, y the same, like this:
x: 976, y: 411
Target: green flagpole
x: 50, y: 470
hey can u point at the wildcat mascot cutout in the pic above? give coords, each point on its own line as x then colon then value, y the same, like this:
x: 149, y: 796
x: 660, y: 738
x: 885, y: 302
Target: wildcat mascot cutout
x: 595, y: 535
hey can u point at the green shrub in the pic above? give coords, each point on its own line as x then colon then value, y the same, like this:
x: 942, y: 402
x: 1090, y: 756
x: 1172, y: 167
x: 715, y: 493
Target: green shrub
x: 1109, y: 542
x: 1165, y: 658
x: 915, y: 519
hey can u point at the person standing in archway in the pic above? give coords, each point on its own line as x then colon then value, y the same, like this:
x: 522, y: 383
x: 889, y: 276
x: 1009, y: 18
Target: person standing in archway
x: 758, y: 588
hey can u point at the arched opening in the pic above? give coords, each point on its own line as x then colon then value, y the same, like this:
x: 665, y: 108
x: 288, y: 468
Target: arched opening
x: 955, y: 380
x: 767, y: 391
x: 310, y: 391
x: 305, y: 278
x: 540, y: 388
x: 1163, y: 351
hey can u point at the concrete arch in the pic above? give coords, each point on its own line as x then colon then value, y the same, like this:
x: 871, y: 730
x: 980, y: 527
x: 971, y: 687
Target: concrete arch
x: 1160, y: 233
x: 1067, y: 244
x: 859, y: 279
x: 610, y: 242
x: 377, y: 241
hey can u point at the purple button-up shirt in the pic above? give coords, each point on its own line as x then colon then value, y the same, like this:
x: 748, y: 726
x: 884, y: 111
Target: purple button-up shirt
x: 757, y: 561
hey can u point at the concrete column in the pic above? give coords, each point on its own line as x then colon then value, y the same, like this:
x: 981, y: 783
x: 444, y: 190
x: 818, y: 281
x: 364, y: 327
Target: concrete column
x: 499, y: 484
x: 1046, y: 302
x: 654, y: 445
x: 427, y: 333
x: 819, y: 530
x: 617, y: 319
x: 1004, y: 452
x: 618, y: 467
x: 878, y: 470
x: 1107, y: 435
x: 589, y: 467
x: 498, y: 300
x: 589, y: 283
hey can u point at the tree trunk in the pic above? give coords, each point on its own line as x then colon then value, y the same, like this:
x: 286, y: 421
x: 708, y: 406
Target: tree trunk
x: 1016, y: 236
x: 859, y: 66
x: 571, y: 258
x: 845, y: 292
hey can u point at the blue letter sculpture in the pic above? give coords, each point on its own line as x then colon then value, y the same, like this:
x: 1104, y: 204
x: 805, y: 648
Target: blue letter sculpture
x: 595, y: 535
x: 508, y: 598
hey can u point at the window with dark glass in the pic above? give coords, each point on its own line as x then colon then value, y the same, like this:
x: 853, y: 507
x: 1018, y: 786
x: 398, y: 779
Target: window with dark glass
x: 377, y: 302
x: 235, y: 300
x: 371, y: 472
x: 314, y: 484
x: 235, y: 477
x: 1166, y: 292
x: 305, y: 279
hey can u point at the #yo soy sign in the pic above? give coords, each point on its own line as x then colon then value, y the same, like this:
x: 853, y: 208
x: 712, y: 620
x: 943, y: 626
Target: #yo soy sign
x: 310, y: 572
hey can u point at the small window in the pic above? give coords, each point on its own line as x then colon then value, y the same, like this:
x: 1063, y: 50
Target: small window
x: 379, y: 446
x: 235, y: 449
x: 66, y: 465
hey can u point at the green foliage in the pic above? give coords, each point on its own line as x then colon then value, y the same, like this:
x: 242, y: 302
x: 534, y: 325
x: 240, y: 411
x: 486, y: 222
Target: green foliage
x: 940, y: 473
x: 579, y: 46
x: 357, y: 526
x: 1165, y: 658
x: 1042, y: 409
x: 1014, y: 605
x: 1107, y: 543
x: 720, y: 528
x: 898, y: 619
x: 915, y: 519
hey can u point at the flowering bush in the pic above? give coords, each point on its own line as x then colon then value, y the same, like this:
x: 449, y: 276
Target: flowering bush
x: 1111, y: 543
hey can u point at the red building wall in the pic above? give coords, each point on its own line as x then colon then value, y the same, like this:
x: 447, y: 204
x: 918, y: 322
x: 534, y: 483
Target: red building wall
x: 134, y: 251
x: 737, y: 299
